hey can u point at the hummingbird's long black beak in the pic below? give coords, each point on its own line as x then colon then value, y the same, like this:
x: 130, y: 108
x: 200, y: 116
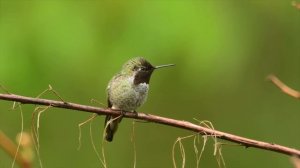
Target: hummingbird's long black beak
x: 162, y: 66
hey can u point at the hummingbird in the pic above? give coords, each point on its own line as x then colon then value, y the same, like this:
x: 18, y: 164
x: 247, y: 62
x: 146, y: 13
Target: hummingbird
x: 128, y: 90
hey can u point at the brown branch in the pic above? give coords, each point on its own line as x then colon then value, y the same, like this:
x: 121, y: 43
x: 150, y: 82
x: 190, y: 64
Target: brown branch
x: 283, y: 87
x: 157, y: 119
x: 7, y: 145
x: 296, y: 5
x: 296, y: 162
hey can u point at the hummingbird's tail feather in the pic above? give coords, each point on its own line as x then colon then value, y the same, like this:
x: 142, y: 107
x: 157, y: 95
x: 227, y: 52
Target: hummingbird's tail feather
x: 112, y: 126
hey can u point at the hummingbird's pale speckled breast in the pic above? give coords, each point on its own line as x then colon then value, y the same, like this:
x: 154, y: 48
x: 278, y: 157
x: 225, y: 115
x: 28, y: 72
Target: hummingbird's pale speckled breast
x: 128, y: 90
x: 125, y: 95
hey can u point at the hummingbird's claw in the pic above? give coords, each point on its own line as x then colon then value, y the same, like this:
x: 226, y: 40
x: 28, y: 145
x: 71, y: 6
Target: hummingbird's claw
x: 136, y: 113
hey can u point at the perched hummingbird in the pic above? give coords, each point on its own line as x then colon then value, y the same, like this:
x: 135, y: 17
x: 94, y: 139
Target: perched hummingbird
x: 128, y: 90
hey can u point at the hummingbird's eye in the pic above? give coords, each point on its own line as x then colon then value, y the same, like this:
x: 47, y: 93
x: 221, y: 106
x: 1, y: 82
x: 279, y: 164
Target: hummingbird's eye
x: 140, y: 68
x: 136, y: 68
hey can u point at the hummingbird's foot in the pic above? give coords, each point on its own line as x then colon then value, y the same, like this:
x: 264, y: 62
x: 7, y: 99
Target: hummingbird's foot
x: 135, y: 113
x: 123, y: 113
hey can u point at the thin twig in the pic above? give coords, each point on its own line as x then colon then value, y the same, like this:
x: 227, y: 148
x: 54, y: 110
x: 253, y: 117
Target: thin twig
x: 133, y: 143
x: 79, y: 128
x: 21, y: 136
x: 11, y: 148
x: 296, y: 4
x: 296, y: 162
x: 156, y: 119
x: 283, y: 87
x: 4, y: 88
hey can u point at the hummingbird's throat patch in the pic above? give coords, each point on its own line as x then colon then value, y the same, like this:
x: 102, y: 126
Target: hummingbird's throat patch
x: 142, y: 77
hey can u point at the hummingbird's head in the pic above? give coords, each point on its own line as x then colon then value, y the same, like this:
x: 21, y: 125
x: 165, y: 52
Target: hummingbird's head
x: 141, y: 69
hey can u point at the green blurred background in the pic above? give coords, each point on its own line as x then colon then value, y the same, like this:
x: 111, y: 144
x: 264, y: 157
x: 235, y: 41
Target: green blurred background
x: 223, y: 51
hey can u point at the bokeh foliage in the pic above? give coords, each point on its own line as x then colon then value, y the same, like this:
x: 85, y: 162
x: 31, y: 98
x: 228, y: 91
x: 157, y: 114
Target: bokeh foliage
x: 223, y: 50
